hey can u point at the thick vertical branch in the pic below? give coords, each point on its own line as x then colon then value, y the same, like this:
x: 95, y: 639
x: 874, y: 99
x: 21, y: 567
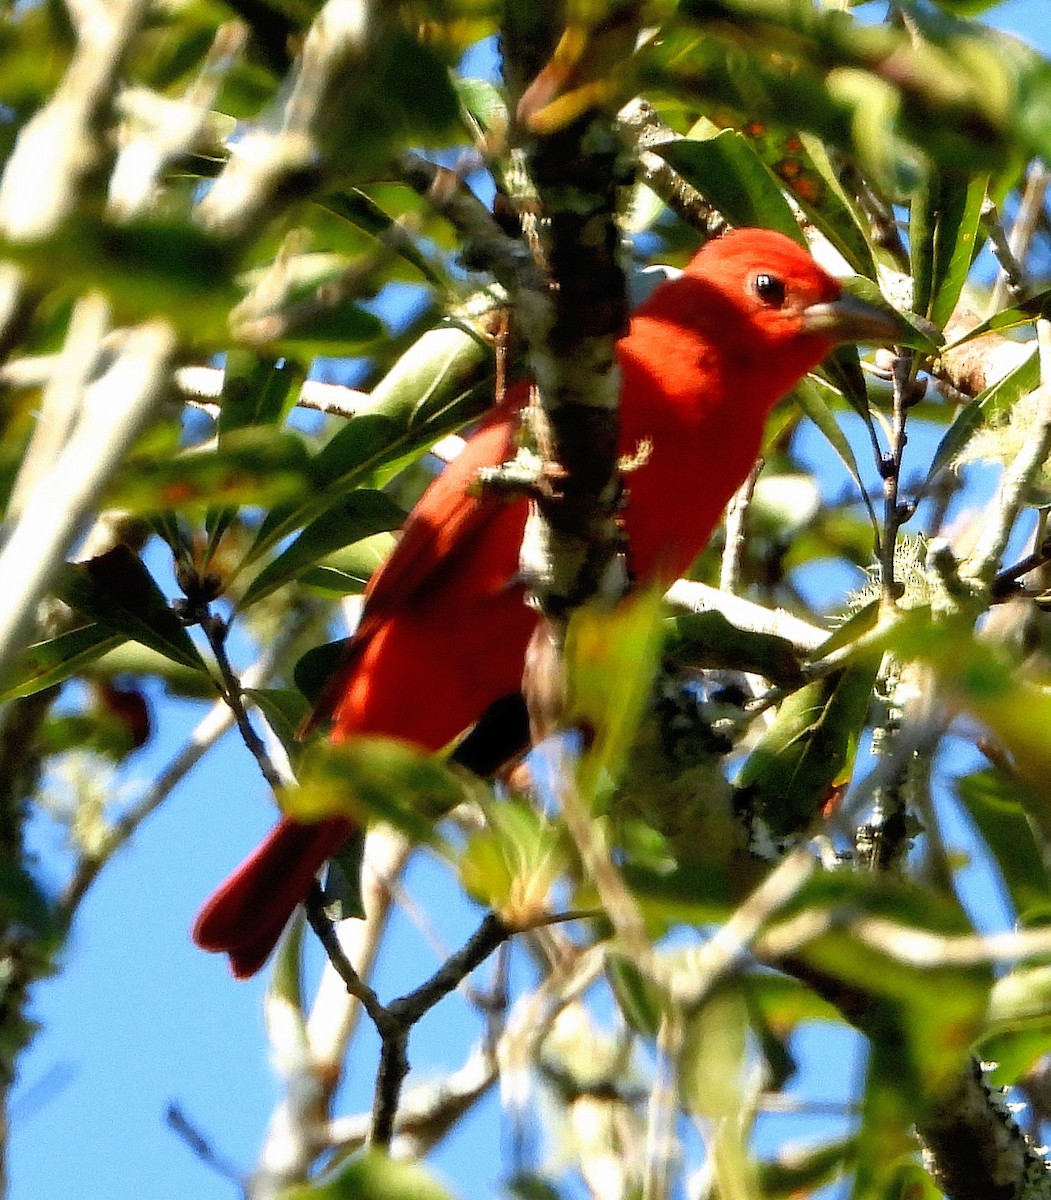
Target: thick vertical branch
x: 572, y: 539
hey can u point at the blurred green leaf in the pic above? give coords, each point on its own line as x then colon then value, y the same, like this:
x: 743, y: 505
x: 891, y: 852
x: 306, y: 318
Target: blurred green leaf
x: 364, y: 212
x: 513, y: 863
x: 373, y: 1175
x: 118, y: 592
x: 803, y: 1170
x: 1019, y: 1023
x: 977, y: 676
x: 610, y: 658
x: 998, y: 807
x: 923, y: 1016
x: 639, y: 1001
x: 148, y: 267
x: 256, y: 465
x: 362, y: 514
x: 380, y: 778
x: 51, y: 662
x: 711, y: 1070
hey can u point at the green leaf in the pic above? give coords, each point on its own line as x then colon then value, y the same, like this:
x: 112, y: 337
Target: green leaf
x: 1006, y: 319
x: 257, y: 390
x: 711, y: 1069
x: 361, y: 515
x: 978, y: 677
x: 48, y: 663
x: 708, y: 639
x: 317, y: 666
x: 924, y: 1015
x: 512, y: 864
x: 985, y: 409
x: 373, y: 1175
x: 943, y: 240
x: 731, y: 176
x: 813, y: 395
x: 885, y: 1141
x: 610, y: 659
x: 373, y: 778
x: 1019, y: 1023
x: 640, y: 1002
x: 146, y: 267
x: 118, y: 592
x: 285, y: 709
x: 255, y: 465
x: 801, y: 163
x: 998, y: 807
x: 432, y: 389
x: 807, y: 1169
x: 484, y: 104
x: 347, y: 572
x: 363, y: 212
x: 808, y: 750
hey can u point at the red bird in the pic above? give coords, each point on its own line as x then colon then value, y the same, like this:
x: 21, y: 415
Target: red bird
x: 444, y: 629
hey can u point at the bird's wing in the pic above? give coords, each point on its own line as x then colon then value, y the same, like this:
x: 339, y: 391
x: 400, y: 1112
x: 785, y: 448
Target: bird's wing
x: 450, y: 515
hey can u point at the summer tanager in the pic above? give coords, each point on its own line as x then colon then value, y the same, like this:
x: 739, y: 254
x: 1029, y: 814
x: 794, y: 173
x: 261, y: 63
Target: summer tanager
x: 444, y: 630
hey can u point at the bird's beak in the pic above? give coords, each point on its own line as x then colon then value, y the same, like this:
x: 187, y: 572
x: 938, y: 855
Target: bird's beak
x: 850, y: 319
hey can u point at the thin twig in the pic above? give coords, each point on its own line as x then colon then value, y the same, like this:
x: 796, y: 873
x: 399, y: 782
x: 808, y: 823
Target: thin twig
x: 201, y: 1147
x: 736, y: 517
x: 216, y: 722
x: 980, y: 567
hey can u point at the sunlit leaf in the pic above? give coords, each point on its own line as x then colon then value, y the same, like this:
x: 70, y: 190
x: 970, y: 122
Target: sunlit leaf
x: 802, y: 165
x: 730, y: 176
x: 434, y: 387
x: 808, y: 750
x: 347, y: 571
x: 512, y: 864
x: 362, y: 514
x: 985, y: 409
x: 944, y: 240
x: 708, y: 639
x: 610, y: 659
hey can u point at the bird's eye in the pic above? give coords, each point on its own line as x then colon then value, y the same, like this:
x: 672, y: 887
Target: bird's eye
x: 770, y: 290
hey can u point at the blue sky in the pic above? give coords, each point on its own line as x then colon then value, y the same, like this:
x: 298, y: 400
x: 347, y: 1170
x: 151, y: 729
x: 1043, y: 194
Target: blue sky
x: 137, y: 1018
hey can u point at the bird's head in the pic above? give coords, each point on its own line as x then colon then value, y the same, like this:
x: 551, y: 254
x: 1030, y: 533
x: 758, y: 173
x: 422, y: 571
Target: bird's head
x: 778, y: 296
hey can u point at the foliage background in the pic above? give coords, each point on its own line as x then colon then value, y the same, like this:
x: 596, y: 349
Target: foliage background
x: 136, y: 1019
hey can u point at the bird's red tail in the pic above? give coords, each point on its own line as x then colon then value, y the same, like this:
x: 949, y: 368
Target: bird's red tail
x: 245, y: 915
